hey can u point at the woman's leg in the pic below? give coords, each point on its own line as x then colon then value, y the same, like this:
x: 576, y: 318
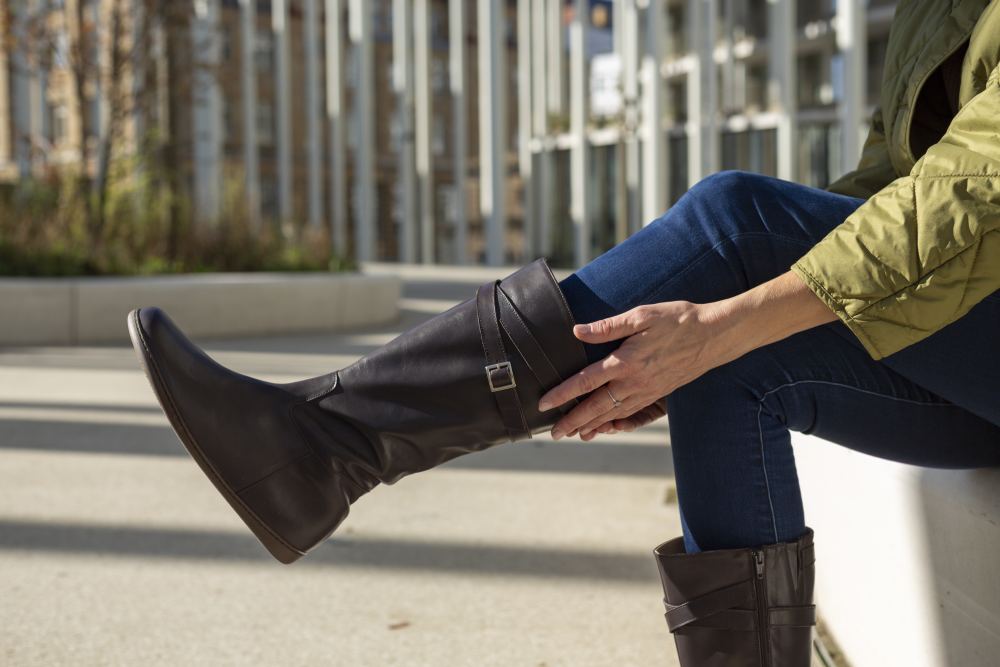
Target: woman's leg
x: 730, y: 232
x: 735, y: 471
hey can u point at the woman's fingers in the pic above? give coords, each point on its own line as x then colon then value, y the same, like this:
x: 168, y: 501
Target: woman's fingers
x: 589, y: 410
x: 648, y: 414
x: 582, y: 382
x: 612, y: 328
x: 610, y: 423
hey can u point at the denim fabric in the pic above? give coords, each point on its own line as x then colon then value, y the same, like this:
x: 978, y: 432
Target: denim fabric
x: 935, y: 403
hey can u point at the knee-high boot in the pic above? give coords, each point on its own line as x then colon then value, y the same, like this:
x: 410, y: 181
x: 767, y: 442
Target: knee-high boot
x: 748, y: 607
x: 291, y: 458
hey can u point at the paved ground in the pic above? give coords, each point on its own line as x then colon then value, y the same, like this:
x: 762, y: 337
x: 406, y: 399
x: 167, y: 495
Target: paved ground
x: 114, y: 550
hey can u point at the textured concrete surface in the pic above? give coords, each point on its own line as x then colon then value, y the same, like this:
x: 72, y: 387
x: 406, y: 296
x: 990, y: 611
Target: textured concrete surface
x: 114, y: 550
x: 61, y: 311
x: 919, y: 546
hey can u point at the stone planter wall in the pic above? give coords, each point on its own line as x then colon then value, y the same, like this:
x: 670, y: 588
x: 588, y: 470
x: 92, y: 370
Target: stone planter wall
x: 69, y: 311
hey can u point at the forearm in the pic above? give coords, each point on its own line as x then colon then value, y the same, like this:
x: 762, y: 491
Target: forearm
x: 766, y: 313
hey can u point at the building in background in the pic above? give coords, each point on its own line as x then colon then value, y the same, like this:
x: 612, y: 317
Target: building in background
x: 457, y: 131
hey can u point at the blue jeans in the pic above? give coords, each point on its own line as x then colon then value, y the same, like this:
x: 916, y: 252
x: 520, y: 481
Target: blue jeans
x: 935, y: 403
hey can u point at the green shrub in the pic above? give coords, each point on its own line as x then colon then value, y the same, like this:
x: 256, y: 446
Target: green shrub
x: 45, y: 231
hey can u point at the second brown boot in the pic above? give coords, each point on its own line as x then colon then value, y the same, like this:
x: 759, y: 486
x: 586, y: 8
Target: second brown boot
x: 749, y: 607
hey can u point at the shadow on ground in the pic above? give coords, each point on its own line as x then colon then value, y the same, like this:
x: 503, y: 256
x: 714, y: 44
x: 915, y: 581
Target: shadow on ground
x: 489, y: 560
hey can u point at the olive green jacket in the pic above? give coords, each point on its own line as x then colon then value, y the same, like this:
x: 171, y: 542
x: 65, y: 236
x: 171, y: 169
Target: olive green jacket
x: 925, y: 246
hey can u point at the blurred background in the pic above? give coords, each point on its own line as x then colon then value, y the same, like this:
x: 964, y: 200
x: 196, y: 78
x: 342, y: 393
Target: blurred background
x: 394, y: 155
x: 155, y: 135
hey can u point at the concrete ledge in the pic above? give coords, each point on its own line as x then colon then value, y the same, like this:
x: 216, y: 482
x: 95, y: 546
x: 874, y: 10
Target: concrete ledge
x: 67, y: 311
x: 907, y: 558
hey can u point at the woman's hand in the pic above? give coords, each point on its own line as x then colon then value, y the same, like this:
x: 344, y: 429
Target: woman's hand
x: 670, y: 344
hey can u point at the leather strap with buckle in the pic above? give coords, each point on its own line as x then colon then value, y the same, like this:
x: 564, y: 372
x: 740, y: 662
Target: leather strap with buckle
x: 498, y: 369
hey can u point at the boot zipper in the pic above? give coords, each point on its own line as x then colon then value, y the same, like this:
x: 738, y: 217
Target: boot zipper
x: 763, y: 636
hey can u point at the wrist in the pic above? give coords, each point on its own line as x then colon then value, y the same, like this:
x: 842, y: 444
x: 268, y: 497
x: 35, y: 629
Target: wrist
x: 767, y: 313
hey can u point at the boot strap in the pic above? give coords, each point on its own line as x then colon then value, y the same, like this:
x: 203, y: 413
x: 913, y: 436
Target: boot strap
x: 716, y: 609
x: 499, y: 371
x: 528, y: 346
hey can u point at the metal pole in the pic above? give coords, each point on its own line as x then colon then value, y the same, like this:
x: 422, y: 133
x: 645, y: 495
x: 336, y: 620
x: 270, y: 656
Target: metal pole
x: 492, y: 127
x: 630, y: 102
x: 314, y: 145
x: 425, y: 173
x: 524, y: 119
x: 139, y: 51
x: 207, y: 112
x: 703, y: 93
x: 655, y: 180
x: 621, y: 188
x: 6, y: 154
x: 456, y: 71
x: 579, y: 201
x: 555, y: 58
x: 366, y: 213
x: 251, y: 168
x: 336, y: 122
x: 781, y: 37
x: 540, y: 72
x: 851, y: 39
x: 282, y: 94
x: 402, y: 80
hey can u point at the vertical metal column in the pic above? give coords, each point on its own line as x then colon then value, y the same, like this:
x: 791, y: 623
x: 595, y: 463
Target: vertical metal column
x: 554, y: 25
x: 366, y: 213
x: 20, y: 110
x: 36, y: 105
x: 655, y: 181
x: 782, y: 80
x: 314, y: 144
x: 6, y: 147
x: 282, y: 95
x: 139, y: 62
x: 102, y: 84
x: 248, y: 70
x: 402, y: 81
x: 539, y: 101
x: 207, y: 112
x: 629, y: 50
x: 456, y: 77
x: 579, y: 201
x: 524, y: 119
x: 703, y: 93
x: 851, y: 42
x: 422, y: 93
x: 336, y: 122
x: 492, y: 127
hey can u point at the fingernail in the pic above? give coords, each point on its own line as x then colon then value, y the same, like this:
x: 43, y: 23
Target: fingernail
x: 556, y: 434
x: 544, y: 405
x: 584, y: 328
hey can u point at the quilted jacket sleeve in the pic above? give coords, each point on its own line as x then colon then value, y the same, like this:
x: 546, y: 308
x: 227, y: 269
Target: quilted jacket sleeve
x: 926, y: 248
x: 874, y: 170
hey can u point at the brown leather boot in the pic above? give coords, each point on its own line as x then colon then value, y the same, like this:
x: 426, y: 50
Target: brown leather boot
x: 291, y: 458
x: 740, y: 607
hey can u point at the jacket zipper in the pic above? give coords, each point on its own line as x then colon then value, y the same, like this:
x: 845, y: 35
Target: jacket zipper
x: 762, y: 631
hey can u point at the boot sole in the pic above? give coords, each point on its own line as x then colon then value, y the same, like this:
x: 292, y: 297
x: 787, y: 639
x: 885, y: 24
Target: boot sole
x: 275, y: 545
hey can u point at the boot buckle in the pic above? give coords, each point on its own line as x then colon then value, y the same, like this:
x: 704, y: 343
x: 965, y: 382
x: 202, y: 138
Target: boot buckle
x: 505, y: 366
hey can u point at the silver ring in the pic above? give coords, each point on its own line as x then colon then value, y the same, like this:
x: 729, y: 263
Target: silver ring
x: 615, y: 400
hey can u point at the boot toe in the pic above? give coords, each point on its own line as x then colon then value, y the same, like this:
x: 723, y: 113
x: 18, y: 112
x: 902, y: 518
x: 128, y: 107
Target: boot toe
x: 240, y: 433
